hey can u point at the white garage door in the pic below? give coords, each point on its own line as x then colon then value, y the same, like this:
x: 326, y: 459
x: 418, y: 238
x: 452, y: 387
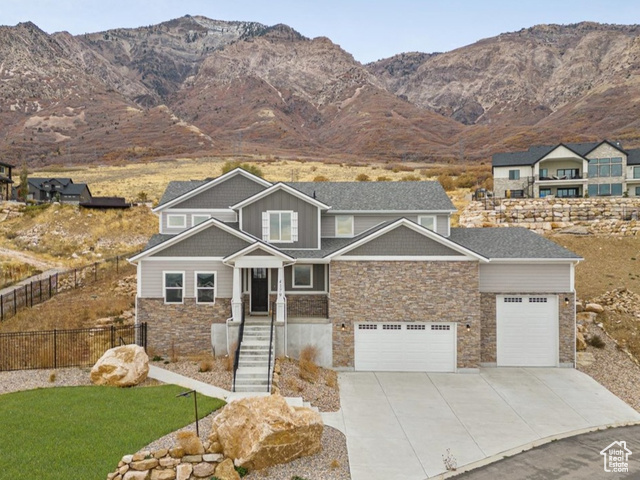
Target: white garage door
x: 527, y: 331
x: 405, y: 347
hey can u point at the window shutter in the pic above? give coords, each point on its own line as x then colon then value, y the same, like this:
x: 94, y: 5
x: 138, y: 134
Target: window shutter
x: 294, y: 226
x: 265, y: 226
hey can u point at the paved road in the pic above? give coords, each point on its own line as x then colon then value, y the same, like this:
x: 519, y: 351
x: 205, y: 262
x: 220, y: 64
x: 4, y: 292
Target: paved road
x: 574, y: 458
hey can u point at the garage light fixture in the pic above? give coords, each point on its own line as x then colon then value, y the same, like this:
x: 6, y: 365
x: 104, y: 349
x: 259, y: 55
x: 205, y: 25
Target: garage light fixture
x: 566, y: 301
x: 468, y: 327
x: 343, y: 328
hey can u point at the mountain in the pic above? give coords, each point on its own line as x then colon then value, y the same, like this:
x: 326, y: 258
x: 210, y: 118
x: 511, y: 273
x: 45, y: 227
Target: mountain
x: 196, y: 86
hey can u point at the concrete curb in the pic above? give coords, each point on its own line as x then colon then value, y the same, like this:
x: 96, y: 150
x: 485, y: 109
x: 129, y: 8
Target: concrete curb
x: 528, y: 446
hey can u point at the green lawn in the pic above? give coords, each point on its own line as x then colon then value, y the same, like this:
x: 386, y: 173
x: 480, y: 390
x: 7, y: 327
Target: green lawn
x: 82, y: 432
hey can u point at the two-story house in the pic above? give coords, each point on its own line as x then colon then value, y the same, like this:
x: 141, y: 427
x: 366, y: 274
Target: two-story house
x: 371, y: 273
x: 568, y: 170
x: 62, y: 190
x: 5, y: 180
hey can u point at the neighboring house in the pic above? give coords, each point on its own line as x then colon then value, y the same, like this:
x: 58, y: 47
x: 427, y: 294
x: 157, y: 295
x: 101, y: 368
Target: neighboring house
x: 58, y: 189
x: 371, y: 273
x: 5, y: 180
x: 568, y: 170
x: 106, y: 203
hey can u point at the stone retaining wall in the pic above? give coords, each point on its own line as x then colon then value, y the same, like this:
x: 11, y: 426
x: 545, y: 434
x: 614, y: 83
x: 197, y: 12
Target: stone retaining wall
x: 607, y: 215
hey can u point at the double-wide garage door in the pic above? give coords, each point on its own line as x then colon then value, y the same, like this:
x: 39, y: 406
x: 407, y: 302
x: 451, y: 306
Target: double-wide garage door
x: 405, y: 347
x: 527, y: 331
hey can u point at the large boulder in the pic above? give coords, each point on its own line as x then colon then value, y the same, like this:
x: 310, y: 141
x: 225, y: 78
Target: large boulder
x: 123, y: 366
x: 594, y: 307
x: 259, y: 432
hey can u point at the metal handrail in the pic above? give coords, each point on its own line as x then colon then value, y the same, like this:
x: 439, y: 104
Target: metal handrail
x: 269, y: 369
x: 236, y: 360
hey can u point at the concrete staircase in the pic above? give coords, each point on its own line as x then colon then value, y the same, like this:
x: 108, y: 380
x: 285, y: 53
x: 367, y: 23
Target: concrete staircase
x: 254, y: 371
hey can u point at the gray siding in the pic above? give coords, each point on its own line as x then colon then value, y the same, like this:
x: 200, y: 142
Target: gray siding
x: 152, y: 276
x: 403, y: 241
x: 280, y: 200
x: 533, y: 278
x: 211, y: 242
x: 228, y: 216
x: 362, y: 223
x: 223, y: 195
x: 318, y: 280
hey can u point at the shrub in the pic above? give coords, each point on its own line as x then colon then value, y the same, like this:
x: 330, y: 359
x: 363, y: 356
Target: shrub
x: 242, y: 471
x: 332, y: 379
x: 231, y: 165
x: 362, y: 177
x: 309, y: 354
x: 466, y: 181
x: 320, y: 178
x: 411, y: 178
x: 596, y: 341
x: 308, y: 371
x: 447, y: 182
x: 205, y: 365
x: 189, y: 442
x: 231, y: 358
x: 334, y: 463
x: 383, y: 178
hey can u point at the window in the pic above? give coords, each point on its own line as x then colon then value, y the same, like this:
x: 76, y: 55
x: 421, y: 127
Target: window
x: 428, y: 221
x: 205, y: 287
x: 545, y: 192
x: 198, y: 219
x: 344, y: 226
x: 637, y: 191
x: 605, y: 167
x: 616, y: 189
x: 605, y: 189
x: 636, y: 172
x: 280, y: 226
x: 176, y: 221
x: 544, y: 173
x: 514, y: 174
x: 516, y: 193
x: 302, y: 276
x: 568, y: 192
x: 173, y: 287
x: 568, y: 173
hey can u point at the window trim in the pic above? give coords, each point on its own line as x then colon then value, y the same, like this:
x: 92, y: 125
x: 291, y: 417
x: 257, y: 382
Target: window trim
x: 343, y: 235
x: 176, y: 215
x: 280, y: 212
x: 637, y: 191
x: 193, y: 218
x: 516, y: 174
x: 164, y: 286
x: 293, y: 276
x: 432, y: 217
x: 196, y: 288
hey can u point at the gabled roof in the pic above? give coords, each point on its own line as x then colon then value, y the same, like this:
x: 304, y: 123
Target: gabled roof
x: 379, y: 196
x: 159, y: 242
x: 633, y: 157
x: 281, y: 186
x: 38, y: 181
x: 177, y: 192
x: 537, y: 152
x: 510, y: 243
x: 7, y: 165
x: 258, y: 245
x: 392, y: 225
x: 75, y: 189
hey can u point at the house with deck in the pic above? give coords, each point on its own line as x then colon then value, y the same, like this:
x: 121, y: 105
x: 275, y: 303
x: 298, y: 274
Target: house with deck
x: 370, y: 273
x: 5, y: 180
x: 568, y: 170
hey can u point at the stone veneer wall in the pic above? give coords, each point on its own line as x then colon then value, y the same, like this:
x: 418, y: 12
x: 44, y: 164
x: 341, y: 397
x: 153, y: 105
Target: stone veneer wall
x: 396, y: 291
x: 617, y: 215
x: 181, y: 328
x: 566, y: 321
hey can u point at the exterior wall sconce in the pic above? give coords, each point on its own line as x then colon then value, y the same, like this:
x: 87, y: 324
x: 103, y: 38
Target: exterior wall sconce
x: 566, y: 301
x: 343, y: 328
x: 468, y: 327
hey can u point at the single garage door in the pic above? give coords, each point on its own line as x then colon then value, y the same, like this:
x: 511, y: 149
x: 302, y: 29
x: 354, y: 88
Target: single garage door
x: 527, y: 331
x: 405, y: 347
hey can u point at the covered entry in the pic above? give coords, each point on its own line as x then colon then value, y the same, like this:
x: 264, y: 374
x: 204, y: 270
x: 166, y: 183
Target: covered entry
x: 527, y: 330
x: 405, y: 347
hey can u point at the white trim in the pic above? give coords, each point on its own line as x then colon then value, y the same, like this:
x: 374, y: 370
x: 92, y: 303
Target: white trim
x: 572, y: 277
x: 254, y: 246
x: 184, y: 259
x: 434, y: 218
x: 417, y: 228
x: 536, y: 260
x: 405, y: 258
x: 319, y: 228
x: 139, y: 277
x: 280, y: 212
x: 193, y: 219
x: 192, y: 231
x: 206, y: 186
x: 293, y: 276
x: 348, y: 235
x: 195, y: 287
x: 275, y: 188
x: 200, y: 210
x: 176, y: 215
x: 301, y: 292
x: 164, y: 286
x: 394, y: 212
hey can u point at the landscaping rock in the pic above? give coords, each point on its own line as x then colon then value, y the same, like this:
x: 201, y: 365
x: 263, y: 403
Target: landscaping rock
x: 212, y: 457
x: 183, y: 471
x: 124, y: 366
x: 226, y: 471
x: 594, y: 307
x: 147, y: 464
x: 258, y: 432
x: 587, y: 317
x: 134, y: 475
x: 203, y: 470
x: 163, y: 474
x: 581, y: 344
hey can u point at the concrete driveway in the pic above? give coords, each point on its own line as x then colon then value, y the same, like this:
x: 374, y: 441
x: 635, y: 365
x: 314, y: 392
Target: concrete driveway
x: 399, y: 425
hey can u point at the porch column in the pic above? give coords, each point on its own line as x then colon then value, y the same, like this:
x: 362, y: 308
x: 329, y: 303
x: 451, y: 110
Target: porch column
x: 236, y: 299
x: 280, y: 300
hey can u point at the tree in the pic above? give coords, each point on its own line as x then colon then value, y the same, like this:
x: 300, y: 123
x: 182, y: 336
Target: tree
x: 23, y: 188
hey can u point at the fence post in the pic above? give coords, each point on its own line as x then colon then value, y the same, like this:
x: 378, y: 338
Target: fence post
x: 95, y: 272
x: 40, y: 290
x: 50, y: 286
x: 15, y: 302
x: 113, y: 336
x: 31, y: 294
x: 75, y: 278
x: 1, y: 308
x: 117, y: 264
x: 55, y: 348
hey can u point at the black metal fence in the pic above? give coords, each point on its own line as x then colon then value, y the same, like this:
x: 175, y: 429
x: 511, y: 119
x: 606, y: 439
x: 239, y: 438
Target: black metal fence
x: 38, y: 291
x: 65, y: 348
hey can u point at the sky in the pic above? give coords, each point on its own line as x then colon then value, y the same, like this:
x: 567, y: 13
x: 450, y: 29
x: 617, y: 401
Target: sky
x: 369, y: 30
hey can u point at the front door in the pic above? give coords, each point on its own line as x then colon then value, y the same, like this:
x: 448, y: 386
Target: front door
x: 259, y: 290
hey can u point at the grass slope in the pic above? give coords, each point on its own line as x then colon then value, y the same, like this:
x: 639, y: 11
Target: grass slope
x: 82, y: 432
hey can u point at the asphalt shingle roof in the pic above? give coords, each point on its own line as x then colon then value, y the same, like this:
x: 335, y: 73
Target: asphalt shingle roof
x: 511, y: 242
x: 74, y: 189
x: 535, y: 153
x: 176, y: 189
x: 633, y: 156
x: 378, y: 196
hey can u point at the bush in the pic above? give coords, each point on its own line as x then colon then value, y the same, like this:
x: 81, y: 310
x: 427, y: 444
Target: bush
x: 232, y: 165
x: 447, y: 182
x: 596, y: 341
x: 307, y: 368
x: 411, y: 178
x: 242, y: 471
x: 205, y: 365
x: 466, y: 181
x: 362, y: 177
x: 320, y: 178
x: 383, y: 178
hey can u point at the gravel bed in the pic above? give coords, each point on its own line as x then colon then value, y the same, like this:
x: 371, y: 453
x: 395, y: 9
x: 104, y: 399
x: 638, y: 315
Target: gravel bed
x: 323, y: 393
x: 15, y: 381
x: 614, y: 369
x: 218, y: 375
